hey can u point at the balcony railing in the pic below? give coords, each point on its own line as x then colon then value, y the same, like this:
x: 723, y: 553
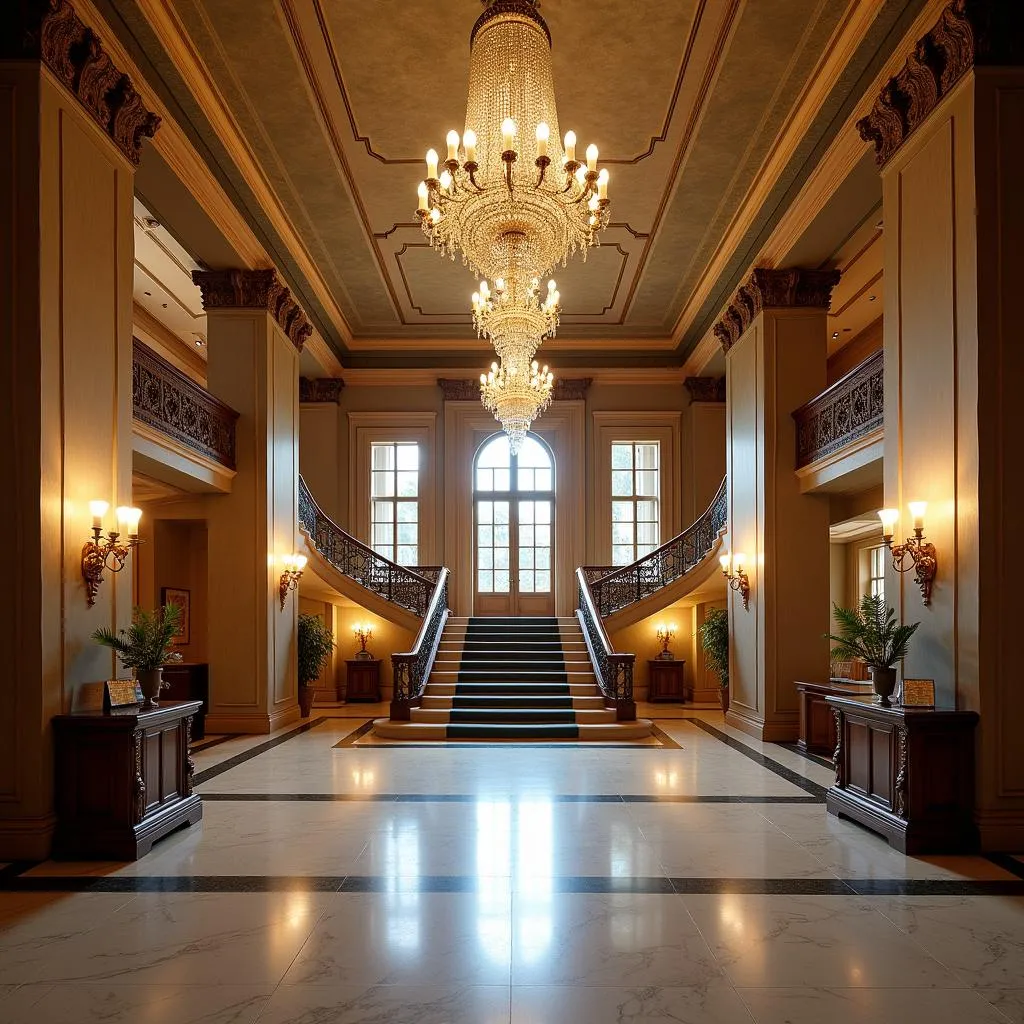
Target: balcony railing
x: 850, y: 409
x: 168, y: 401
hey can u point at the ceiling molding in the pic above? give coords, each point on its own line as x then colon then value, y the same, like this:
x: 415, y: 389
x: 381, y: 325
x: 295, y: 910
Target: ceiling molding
x: 428, y: 376
x: 470, y: 343
x: 171, y: 33
x: 144, y: 323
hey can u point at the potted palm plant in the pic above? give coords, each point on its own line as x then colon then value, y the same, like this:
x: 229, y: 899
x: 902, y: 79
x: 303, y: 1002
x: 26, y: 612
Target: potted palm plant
x: 872, y: 634
x: 146, y: 646
x: 315, y: 643
x: 714, y: 640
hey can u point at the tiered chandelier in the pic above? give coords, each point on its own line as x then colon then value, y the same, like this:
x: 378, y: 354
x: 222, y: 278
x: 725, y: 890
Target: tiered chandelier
x: 516, y: 396
x: 513, y: 219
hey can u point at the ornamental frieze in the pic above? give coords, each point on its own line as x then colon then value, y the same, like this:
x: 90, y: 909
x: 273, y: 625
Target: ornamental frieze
x: 320, y: 390
x: 570, y: 389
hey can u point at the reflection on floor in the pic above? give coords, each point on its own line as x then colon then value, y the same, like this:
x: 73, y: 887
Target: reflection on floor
x: 464, y: 884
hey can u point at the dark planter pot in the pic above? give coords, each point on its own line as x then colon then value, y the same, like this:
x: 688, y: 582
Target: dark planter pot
x: 306, y: 694
x: 723, y: 696
x: 884, y: 682
x: 151, y: 682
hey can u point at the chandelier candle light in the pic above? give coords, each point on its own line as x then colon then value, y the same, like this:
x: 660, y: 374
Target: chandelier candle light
x: 516, y: 396
x: 515, y: 321
x: 513, y: 208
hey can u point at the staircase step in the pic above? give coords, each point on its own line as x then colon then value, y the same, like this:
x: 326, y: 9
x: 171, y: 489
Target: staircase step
x: 446, y: 701
x: 607, y: 733
x: 434, y: 688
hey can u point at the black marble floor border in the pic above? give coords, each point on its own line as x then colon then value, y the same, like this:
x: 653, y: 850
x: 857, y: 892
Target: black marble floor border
x: 350, y: 739
x: 1007, y: 863
x: 791, y: 776
x: 261, y: 748
x: 565, y: 885
x: 472, y: 798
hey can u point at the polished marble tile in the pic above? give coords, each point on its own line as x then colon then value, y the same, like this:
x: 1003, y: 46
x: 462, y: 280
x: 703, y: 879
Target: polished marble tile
x: 407, y: 938
x: 17, y: 1003
x: 1008, y: 1001
x: 817, y: 941
x: 101, y: 1003
x: 737, y: 855
x: 715, y: 1004
x: 621, y: 940
x: 437, y: 1003
x: 980, y: 938
x: 812, y: 1005
x: 681, y: 821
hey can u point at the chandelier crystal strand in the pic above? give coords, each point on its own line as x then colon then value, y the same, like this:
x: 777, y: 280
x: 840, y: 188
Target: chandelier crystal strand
x: 512, y: 200
x: 516, y: 393
x: 514, y: 321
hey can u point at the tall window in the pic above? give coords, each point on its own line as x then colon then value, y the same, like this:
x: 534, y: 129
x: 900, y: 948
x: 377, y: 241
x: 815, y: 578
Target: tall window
x: 876, y: 571
x: 636, y: 522
x: 394, y: 500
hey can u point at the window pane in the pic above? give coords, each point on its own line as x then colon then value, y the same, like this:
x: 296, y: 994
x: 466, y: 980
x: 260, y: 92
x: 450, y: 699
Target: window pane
x: 542, y: 511
x: 526, y: 581
x: 542, y: 582
x: 383, y: 485
x: 647, y: 533
x: 646, y: 481
x: 542, y: 479
x: 383, y: 511
x: 526, y: 558
x: 485, y: 581
x: 622, y: 456
x: 485, y: 511
x: 501, y: 536
x: 526, y: 536
x: 407, y: 555
x: 501, y: 512
x: 646, y: 456
x: 526, y: 512
x: 622, y: 555
x: 524, y: 479
x: 644, y: 549
x: 533, y: 453
x: 496, y: 453
x: 383, y: 533
x: 501, y: 558
x: 408, y: 484
x: 407, y: 533
x: 502, y: 479
x: 485, y: 536
x: 484, y: 479
x: 542, y: 558
x: 647, y: 511
x: 543, y: 536
x: 501, y: 581
x: 485, y: 558
x: 622, y: 533
x: 408, y: 456
x: 408, y: 511
x: 622, y: 511
x: 382, y: 456
x: 622, y: 482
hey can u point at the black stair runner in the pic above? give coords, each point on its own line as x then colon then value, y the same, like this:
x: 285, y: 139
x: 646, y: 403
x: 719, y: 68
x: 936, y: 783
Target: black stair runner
x: 512, y: 682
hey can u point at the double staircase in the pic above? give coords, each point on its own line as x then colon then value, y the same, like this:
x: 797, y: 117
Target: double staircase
x: 512, y: 679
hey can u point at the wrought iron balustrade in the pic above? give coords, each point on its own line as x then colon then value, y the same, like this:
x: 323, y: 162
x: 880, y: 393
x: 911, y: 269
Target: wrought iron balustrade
x: 614, y: 670
x: 847, y: 411
x: 613, y: 589
x: 169, y: 401
x: 412, y: 669
x: 393, y: 582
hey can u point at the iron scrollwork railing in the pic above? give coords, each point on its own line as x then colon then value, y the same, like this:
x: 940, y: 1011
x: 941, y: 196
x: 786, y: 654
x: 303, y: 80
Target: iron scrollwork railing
x: 613, y: 589
x: 614, y: 670
x: 845, y: 412
x: 393, y: 582
x: 412, y: 669
x: 170, y: 402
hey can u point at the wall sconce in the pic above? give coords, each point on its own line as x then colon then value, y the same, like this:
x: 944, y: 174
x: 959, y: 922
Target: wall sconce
x: 665, y: 633
x: 108, y: 552
x: 363, y: 631
x: 732, y: 570
x: 921, y: 553
x: 293, y: 566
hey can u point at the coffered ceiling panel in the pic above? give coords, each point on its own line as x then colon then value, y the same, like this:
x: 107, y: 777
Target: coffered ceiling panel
x: 337, y: 101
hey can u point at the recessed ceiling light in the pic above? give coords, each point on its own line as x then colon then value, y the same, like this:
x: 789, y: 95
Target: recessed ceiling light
x: 199, y: 342
x: 878, y: 226
x: 835, y: 334
x: 871, y: 298
x: 147, y: 293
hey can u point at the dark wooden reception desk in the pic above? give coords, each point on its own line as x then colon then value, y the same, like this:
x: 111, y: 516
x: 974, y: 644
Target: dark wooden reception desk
x: 124, y: 780
x: 906, y: 773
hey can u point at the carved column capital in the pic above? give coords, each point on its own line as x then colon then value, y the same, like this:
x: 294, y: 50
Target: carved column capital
x: 52, y: 32
x: 254, y: 289
x: 705, y: 389
x: 774, y: 288
x: 460, y: 390
x: 320, y: 390
x: 968, y: 34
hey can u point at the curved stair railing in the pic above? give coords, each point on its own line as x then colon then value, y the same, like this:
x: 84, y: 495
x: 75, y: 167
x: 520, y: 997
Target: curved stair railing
x: 422, y: 590
x: 604, y: 590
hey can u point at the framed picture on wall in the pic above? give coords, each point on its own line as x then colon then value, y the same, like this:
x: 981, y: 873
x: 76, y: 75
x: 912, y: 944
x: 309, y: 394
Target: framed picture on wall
x: 182, y: 598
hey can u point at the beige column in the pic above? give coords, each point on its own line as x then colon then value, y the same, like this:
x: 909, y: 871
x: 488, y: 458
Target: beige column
x: 255, y: 332
x: 320, y: 444
x: 703, y: 461
x: 71, y: 128
x: 775, y: 339
x: 949, y: 136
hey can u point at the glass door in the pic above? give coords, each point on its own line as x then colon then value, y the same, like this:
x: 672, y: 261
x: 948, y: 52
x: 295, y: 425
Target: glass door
x: 514, y: 506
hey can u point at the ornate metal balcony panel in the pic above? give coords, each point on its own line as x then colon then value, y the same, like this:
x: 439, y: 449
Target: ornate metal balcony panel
x: 411, y: 670
x: 614, y: 671
x: 615, y: 589
x: 850, y: 409
x: 393, y: 582
x: 167, y: 400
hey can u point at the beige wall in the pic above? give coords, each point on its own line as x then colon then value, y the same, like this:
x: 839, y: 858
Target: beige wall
x: 180, y: 561
x: 65, y: 411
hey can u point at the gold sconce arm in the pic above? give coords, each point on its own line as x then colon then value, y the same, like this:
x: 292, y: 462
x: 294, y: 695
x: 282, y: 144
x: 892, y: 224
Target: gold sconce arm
x: 733, y: 571
x: 293, y: 568
x: 105, y: 552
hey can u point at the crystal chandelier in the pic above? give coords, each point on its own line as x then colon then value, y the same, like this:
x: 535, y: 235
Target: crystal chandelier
x: 517, y: 396
x: 515, y: 321
x: 508, y: 215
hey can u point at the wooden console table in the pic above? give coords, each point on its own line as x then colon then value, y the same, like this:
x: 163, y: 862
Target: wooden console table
x: 667, y: 680
x: 817, y: 723
x: 124, y: 780
x: 362, y: 679
x: 906, y: 773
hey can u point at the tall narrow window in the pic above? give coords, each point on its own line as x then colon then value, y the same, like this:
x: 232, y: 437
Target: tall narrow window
x: 876, y: 571
x: 394, y: 500
x: 636, y: 514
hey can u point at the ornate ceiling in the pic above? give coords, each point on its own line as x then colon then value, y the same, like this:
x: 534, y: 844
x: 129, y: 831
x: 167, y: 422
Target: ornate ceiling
x: 331, y: 104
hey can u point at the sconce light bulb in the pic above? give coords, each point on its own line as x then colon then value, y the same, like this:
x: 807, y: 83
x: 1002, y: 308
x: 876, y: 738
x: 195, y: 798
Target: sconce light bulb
x: 889, y: 516
x: 300, y: 562
x: 917, y: 511
x: 737, y: 560
x: 724, y: 561
x: 98, y: 509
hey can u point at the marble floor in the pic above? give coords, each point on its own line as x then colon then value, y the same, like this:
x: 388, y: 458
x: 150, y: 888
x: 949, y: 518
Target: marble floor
x: 699, y: 880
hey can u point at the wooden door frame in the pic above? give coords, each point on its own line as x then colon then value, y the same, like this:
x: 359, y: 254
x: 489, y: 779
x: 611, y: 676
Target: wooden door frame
x: 563, y: 427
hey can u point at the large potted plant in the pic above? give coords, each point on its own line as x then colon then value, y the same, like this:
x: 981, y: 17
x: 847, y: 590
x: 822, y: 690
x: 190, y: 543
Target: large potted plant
x: 714, y: 640
x: 315, y: 643
x: 146, y: 646
x: 872, y: 634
